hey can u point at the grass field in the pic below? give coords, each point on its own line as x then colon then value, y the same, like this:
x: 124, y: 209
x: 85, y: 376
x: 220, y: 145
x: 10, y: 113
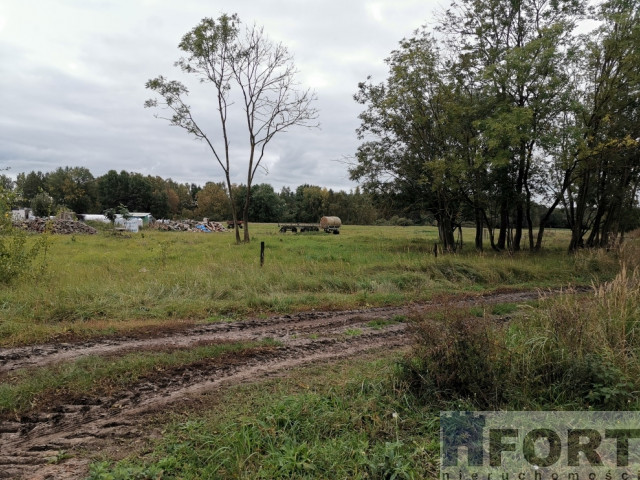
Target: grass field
x: 374, y: 416
x: 377, y: 417
x: 349, y: 420
x: 106, y: 285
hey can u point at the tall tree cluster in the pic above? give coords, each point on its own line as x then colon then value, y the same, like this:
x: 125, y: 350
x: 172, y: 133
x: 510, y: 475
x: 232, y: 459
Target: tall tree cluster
x: 76, y: 189
x: 504, y: 107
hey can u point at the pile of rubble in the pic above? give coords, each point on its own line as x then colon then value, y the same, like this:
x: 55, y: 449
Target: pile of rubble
x: 188, y: 226
x: 63, y: 227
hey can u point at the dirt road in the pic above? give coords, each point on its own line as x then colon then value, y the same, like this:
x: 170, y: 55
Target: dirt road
x: 28, y: 444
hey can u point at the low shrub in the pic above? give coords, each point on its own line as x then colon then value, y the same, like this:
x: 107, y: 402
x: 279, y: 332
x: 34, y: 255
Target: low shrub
x: 17, y: 254
x: 457, y: 356
x: 574, y: 351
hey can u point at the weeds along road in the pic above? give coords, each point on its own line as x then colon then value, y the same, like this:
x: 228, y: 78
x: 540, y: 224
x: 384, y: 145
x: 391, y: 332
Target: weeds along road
x: 29, y: 442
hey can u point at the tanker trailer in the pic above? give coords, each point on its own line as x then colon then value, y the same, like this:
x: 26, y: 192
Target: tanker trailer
x: 331, y: 224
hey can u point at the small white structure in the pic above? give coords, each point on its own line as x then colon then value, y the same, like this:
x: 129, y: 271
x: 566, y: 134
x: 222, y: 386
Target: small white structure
x: 146, y: 218
x: 88, y: 217
x: 133, y: 225
x: 130, y: 225
x: 20, y: 214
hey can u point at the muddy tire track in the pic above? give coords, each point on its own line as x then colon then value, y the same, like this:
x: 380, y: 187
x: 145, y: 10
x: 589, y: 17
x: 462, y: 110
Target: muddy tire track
x: 28, y: 443
x: 255, y: 329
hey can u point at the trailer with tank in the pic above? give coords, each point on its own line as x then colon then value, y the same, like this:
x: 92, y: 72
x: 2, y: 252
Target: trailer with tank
x: 328, y: 224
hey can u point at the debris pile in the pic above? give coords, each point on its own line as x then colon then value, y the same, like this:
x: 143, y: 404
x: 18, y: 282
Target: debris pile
x: 63, y: 227
x: 188, y: 226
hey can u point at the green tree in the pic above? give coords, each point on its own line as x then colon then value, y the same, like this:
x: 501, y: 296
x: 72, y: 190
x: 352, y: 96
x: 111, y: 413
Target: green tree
x: 289, y: 201
x: 159, y: 202
x: 29, y: 185
x: 42, y: 205
x: 213, y: 202
x: 607, y: 159
x: 266, y: 205
x: 72, y: 187
x: 113, y: 189
x: 311, y: 202
x: 516, y: 54
x: 261, y: 71
x: 7, y: 183
x: 404, y: 142
x: 140, y: 193
x: 180, y: 198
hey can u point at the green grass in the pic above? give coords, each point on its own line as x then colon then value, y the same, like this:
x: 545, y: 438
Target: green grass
x: 366, y: 418
x: 348, y: 420
x: 105, y: 285
x: 504, y: 308
x: 371, y: 419
x: 381, y: 323
x: 353, y: 332
x: 575, y: 351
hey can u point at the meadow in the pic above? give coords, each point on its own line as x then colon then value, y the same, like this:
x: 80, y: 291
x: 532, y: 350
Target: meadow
x: 377, y: 416
x: 372, y: 416
x: 85, y: 286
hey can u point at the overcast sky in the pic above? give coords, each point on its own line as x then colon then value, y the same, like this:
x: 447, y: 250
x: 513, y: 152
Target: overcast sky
x: 72, y: 76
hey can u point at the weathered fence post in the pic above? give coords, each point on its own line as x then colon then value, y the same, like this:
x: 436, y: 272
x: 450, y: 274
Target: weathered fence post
x: 261, y: 253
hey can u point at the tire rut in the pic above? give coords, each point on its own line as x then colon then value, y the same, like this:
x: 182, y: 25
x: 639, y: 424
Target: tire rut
x: 276, y: 327
x: 29, y: 442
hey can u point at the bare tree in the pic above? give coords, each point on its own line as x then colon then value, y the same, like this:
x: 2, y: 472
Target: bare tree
x: 263, y: 73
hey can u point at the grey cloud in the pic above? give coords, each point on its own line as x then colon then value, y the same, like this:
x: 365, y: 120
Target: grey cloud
x: 54, y: 115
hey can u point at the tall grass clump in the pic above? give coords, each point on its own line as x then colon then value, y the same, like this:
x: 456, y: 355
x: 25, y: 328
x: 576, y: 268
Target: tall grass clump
x: 574, y: 351
x: 17, y: 254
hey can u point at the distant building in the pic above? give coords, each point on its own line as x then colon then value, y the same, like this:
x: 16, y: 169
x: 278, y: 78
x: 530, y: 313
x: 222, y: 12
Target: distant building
x: 146, y: 218
x: 21, y: 214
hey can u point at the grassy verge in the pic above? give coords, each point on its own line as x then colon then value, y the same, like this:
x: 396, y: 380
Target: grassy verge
x: 570, y: 352
x: 349, y: 420
x: 30, y: 389
x: 106, y: 285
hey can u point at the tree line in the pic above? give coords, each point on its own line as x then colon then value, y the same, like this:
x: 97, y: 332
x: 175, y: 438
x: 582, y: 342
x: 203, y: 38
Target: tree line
x: 504, y: 107
x: 76, y: 189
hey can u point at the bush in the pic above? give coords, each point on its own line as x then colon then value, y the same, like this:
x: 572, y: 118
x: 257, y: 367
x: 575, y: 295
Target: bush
x: 16, y: 255
x: 42, y: 205
x: 458, y: 357
x: 574, y: 351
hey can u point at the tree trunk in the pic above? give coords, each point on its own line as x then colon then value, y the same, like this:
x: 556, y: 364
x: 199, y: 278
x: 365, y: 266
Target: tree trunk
x: 543, y: 221
x: 446, y: 234
x: 528, y: 202
x: 245, y: 215
x: 247, y: 198
x: 234, y: 211
x: 504, y: 225
x: 479, y: 229
x: 491, y: 231
x: 519, y: 223
x: 580, y: 210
